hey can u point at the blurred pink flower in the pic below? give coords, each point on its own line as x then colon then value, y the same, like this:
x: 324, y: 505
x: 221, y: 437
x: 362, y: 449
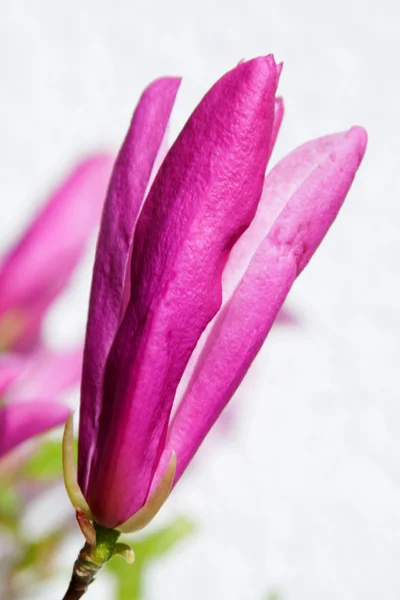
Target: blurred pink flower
x: 187, y: 284
x: 30, y: 385
x: 32, y: 274
x: 38, y: 267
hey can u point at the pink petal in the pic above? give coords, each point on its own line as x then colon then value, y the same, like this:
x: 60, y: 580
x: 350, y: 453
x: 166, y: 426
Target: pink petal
x: 47, y: 374
x: 21, y: 421
x: 233, y: 259
x: 203, y: 198
x: 40, y: 265
x: 237, y: 260
x: 301, y: 198
x: 11, y: 366
x: 128, y: 185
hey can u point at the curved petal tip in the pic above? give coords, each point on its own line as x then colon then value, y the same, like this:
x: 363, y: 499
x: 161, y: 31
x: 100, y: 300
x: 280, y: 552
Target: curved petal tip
x: 360, y: 137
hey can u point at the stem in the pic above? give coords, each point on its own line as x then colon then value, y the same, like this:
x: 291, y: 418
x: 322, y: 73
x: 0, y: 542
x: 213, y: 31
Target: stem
x: 84, y: 572
x: 90, y: 560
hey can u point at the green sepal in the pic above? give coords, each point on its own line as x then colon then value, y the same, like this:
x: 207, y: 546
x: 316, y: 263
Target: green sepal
x: 125, y: 551
x: 74, y: 492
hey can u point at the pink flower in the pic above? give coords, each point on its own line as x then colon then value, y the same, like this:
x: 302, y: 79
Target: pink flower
x: 38, y: 267
x: 31, y: 275
x: 30, y: 385
x: 189, y: 278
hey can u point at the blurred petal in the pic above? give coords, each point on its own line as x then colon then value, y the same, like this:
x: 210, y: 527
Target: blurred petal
x: 286, y: 317
x: 203, y: 198
x: 129, y: 181
x: 40, y: 265
x: 47, y: 374
x: 21, y: 421
x: 11, y: 366
x: 302, y: 196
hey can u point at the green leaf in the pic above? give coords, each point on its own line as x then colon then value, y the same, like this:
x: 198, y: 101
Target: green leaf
x: 10, y: 506
x: 148, y: 548
x: 162, y: 541
x: 129, y: 579
x: 45, y: 464
x: 36, y: 559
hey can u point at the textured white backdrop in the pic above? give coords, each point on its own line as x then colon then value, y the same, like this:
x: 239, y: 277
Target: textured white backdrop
x: 303, y: 494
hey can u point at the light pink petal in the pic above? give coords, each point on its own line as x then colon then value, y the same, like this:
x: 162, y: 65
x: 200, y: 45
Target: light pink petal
x: 40, y: 265
x: 11, y: 366
x: 127, y: 189
x: 203, y: 198
x: 279, y: 112
x: 301, y: 197
x: 21, y: 421
x: 47, y: 374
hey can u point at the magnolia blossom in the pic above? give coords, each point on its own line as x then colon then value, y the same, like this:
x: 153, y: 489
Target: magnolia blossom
x: 189, y: 277
x: 32, y: 274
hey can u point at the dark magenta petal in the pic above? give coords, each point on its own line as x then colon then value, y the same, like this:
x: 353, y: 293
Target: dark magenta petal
x: 203, y: 198
x: 125, y: 197
x: 34, y: 272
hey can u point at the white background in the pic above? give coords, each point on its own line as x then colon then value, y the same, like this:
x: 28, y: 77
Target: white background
x: 302, y: 494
